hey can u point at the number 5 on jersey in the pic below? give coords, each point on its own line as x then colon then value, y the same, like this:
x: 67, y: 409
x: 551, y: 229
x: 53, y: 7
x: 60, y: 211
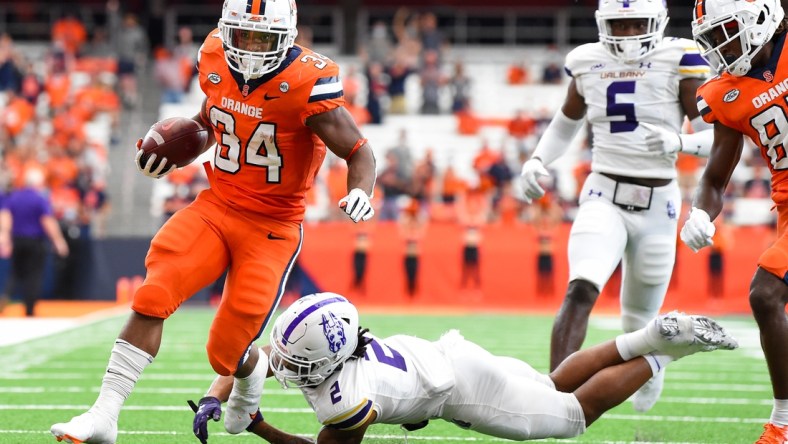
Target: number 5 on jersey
x: 261, y: 148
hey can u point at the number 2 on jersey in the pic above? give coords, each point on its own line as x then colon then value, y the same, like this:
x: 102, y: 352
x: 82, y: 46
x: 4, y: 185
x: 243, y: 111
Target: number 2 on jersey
x: 615, y: 108
x: 387, y: 355
x: 261, y: 148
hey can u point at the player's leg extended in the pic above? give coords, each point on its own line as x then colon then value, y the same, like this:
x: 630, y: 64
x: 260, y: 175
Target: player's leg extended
x: 614, y: 370
x: 185, y: 255
x: 768, y: 296
x: 596, y: 244
x: 648, y: 265
x: 255, y: 283
x: 496, y: 396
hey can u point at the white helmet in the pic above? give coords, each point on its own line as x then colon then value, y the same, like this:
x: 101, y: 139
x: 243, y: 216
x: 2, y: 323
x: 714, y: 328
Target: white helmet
x: 631, y: 48
x: 719, y: 22
x: 312, y: 338
x: 268, y: 24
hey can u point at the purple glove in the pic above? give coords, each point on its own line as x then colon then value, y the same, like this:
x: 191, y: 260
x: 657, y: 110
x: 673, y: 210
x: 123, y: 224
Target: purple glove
x: 209, y: 408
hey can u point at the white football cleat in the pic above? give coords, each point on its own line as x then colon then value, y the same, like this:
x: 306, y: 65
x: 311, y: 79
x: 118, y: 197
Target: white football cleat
x: 678, y: 335
x: 90, y: 427
x: 649, y: 393
x: 245, y: 399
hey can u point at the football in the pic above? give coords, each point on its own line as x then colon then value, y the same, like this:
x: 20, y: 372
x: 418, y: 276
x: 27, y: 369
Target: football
x: 179, y: 139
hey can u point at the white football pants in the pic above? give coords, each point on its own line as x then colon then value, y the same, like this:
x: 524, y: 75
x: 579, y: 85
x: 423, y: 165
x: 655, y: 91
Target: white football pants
x: 603, y: 234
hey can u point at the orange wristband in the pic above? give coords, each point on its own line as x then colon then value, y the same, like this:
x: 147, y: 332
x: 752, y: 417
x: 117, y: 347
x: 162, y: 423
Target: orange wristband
x: 359, y: 144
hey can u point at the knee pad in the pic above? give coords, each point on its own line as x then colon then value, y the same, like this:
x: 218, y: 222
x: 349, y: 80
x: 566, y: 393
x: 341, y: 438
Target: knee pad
x: 154, y: 300
x: 219, y: 358
x: 654, y: 259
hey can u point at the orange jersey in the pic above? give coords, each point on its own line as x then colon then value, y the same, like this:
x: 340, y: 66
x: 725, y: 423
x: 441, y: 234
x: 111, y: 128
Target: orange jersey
x: 266, y: 157
x: 756, y: 105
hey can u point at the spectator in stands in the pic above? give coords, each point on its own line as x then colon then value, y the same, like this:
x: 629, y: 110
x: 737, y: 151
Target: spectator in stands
x: 31, y: 85
x: 18, y: 116
x: 460, y: 85
x: 25, y: 223
x: 378, y: 47
x: 170, y: 76
x: 377, y: 87
x: 432, y: 79
x: 759, y: 186
x: 402, y: 150
x: 360, y: 250
x: 393, y: 187
x: 185, y: 52
x: 552, y: 74
x: 412, y: 225
x: 432, y: 39
x: 10, y: 65
x: 398, y: 73
x: 521, y: 128
x: 517, y: 74
x: 351, y: 85
x: 99, y: 46
x: 69, y: 34
x: 131, y: 44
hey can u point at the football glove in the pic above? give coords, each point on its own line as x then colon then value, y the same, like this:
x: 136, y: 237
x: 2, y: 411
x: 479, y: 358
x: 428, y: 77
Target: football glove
x: 159, y: 172
x: 698, y: 230
x: 357, y: 206
x: 661, y: 140
x: 531, y: 172
x: 209, y: 408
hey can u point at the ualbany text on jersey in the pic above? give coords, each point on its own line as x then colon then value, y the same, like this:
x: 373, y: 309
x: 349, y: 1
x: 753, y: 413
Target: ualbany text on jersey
x: 243, y: 108
x: 622, y: 74
x: 775, y: 92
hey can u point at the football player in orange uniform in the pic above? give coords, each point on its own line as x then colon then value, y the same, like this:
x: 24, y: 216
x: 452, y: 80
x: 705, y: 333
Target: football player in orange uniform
x: 273, y: 107
x: 745, y: 41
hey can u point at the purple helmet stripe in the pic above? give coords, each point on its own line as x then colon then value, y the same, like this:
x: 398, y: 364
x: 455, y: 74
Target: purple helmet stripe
x: 289, y: 330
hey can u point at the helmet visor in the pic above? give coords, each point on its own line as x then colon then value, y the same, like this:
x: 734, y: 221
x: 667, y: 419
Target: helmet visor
x: 254, y: 41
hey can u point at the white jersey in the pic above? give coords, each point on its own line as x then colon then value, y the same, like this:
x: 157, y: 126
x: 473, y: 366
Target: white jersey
x: 619, y: 95
x: 402, y: 378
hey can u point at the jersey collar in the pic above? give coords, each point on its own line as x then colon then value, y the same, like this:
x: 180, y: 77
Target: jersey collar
x: 771, y: 66
x: 253, y: 84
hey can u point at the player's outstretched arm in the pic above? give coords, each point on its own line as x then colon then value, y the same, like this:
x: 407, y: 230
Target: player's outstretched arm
x: 338, y: 130
x: 554, y: 142
x: 329, y: 435
x: 707, y: 202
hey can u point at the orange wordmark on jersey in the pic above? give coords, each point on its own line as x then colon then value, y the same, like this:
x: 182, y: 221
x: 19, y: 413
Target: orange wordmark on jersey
x: 266, y: 157
x: 757, y: 106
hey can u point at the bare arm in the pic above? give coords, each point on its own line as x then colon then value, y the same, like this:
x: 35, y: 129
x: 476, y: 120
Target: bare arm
x: 574, y: 105
x: 338, y: 130
x: 221, y: 388
x: 725, y: 154
x: 688, y: 90
x: 202, y: 118
x: 333, y: 436
x: 52, y: 229
x: 6, y: 222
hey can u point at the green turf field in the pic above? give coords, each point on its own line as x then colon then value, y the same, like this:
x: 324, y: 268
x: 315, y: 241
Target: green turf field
x: 719, y: 397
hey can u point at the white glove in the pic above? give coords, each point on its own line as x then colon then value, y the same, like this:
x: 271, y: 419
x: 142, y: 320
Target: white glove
x: 661, y: 140
x: 357, y: 206
x: 698, y: 230
x: 159, y: 172
x: 532, y: 171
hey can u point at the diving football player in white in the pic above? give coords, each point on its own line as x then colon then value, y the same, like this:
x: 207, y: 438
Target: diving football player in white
x: 634, y: 88
x: 352, y: 379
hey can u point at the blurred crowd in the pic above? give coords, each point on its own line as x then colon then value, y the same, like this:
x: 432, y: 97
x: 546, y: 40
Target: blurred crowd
x: 61, y: 113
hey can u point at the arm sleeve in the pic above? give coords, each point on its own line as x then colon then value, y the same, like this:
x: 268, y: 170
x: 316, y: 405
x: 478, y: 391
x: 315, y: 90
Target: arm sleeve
x: 557, y: 137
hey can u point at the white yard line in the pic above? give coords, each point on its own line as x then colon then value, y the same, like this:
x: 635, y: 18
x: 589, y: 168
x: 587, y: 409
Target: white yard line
x: 410, y: 437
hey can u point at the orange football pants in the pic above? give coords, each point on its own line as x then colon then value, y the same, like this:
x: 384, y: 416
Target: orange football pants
x: 192, y: 250
x: 775, y: 258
